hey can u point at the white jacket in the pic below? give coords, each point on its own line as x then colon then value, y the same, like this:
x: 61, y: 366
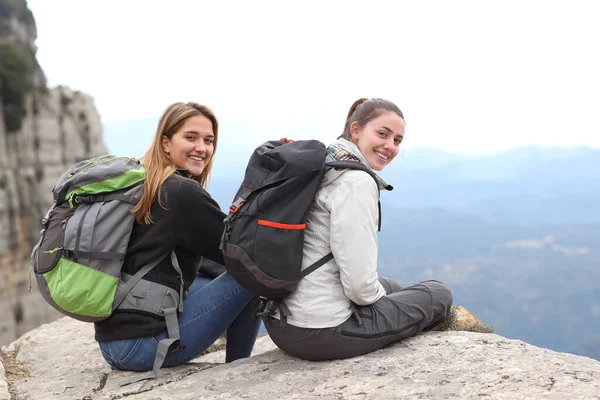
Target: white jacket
x: 343, y: 220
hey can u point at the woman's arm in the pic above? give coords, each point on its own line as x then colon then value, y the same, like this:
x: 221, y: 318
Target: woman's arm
x: 353, y: 238
x: 198, y: 223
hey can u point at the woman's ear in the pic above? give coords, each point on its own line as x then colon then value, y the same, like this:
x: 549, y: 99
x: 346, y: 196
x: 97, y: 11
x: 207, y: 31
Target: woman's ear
x: 166, y: 144
x: 354, y: 130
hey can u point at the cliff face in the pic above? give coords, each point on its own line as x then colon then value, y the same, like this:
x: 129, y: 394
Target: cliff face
x: 42, y: 132
x: 60, y: 128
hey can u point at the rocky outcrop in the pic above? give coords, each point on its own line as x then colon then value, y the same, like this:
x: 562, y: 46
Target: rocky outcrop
x: 61, y: 360
x: 17, y: 22
x: 21, y: 310
x: 42, y: 132
x: 61, y: 128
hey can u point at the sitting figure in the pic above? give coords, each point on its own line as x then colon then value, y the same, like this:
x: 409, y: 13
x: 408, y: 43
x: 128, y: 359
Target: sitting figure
x: 177, y: 213
x: 343, y: 309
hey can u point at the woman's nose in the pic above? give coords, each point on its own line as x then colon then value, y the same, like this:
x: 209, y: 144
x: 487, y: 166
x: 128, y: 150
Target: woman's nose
x: 201, y: 147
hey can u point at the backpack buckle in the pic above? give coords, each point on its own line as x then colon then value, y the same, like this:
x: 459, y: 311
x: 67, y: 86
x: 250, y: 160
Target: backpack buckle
x: 267, y: 308
x: 236, y: 205
x: 48, y: 214
x: 83, y: 198
x: 239, y: 202
x: 68, y: 253
x: 90, y: 198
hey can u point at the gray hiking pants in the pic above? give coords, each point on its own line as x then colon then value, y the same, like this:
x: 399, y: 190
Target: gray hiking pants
x: 400, y: 314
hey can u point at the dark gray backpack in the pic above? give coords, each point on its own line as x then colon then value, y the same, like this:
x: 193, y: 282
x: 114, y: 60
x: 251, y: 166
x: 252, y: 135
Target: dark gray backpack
x: 263, y: 239
x: 85, y: 233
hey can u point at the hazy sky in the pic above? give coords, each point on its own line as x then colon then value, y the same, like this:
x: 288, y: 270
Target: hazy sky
x: 470, y: 76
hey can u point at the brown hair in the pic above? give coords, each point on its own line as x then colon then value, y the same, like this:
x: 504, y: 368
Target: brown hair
x: 364, y: 110
x: 159, y: 165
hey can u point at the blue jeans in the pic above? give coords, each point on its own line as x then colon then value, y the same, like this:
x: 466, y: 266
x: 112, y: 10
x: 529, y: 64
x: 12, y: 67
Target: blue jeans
x: 211, y: 307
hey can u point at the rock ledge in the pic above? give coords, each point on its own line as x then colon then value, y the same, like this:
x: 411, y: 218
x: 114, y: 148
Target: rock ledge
x: 60, y: 360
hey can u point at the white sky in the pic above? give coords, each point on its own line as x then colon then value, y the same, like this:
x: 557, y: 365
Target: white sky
x: 470, y: 76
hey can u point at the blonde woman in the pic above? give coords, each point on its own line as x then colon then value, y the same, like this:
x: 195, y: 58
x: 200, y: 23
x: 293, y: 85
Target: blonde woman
x: 177, y: 213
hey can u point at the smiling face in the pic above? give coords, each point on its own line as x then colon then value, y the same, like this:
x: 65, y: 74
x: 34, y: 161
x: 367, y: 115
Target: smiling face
x: 379, y: 139
x: 192, y: 146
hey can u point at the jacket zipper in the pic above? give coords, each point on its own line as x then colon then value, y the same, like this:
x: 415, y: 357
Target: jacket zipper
x: 382, y: 334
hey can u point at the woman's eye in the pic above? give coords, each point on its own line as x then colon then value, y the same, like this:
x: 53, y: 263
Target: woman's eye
x: 190, y: 137
x: 398, y: 141
x: 383, y: 134
x: 210, y: 141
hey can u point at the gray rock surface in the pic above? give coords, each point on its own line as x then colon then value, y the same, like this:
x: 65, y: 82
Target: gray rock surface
x: 21, y: 310
x: 4, y: 395
x: 62, y: 361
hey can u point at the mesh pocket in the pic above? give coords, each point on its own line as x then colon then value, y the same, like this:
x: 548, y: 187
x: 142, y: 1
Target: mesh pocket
x: 48, y: 253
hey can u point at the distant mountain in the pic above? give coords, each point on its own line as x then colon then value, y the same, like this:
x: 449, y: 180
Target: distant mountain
x: 540, y: 284
x: 523, y: 186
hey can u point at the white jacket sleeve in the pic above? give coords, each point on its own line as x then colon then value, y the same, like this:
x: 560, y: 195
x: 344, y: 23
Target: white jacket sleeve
x: 353, y: 238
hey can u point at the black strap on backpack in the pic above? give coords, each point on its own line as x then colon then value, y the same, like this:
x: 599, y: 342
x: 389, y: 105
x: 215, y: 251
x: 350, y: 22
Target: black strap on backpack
x: 169, y: 313
x: 361, y: 167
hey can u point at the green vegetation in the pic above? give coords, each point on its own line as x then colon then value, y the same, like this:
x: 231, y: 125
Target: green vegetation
x: 17, y: 64
x: 14, y: 9
x: 65, y: 100
x: 18, y: 312
x: 453, y: 324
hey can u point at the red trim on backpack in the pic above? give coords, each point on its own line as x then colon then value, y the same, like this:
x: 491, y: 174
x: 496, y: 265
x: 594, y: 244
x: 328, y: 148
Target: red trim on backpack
x: 286, y: 140
x: 281, y: 226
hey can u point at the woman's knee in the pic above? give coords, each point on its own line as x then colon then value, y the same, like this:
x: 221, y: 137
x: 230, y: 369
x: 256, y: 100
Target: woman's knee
x: 438, y: 290
x: 441, y: 300
x: 390, y: 285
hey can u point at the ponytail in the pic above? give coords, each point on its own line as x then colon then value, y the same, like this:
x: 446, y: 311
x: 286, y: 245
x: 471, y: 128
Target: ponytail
x: 364, y: 110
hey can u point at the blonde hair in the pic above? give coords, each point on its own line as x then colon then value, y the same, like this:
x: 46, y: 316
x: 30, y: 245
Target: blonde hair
x: 158, y: 163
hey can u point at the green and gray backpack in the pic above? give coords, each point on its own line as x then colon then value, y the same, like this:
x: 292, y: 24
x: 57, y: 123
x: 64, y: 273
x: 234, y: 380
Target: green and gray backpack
x: 85, y: 233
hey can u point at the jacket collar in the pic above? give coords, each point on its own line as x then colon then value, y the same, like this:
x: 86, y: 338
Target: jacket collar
x: 355, y: 151
x: 184, y: 173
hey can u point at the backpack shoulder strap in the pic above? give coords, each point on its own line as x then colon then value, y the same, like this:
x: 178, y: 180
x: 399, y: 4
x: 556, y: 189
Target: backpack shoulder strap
x: 347, y: 165
x: 354, y: 165
x: 361, y: 167
x: 125, y: 288
x: 170, y: 315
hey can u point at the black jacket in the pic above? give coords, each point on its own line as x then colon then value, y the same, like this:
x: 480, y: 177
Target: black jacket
x: 192, y: 224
